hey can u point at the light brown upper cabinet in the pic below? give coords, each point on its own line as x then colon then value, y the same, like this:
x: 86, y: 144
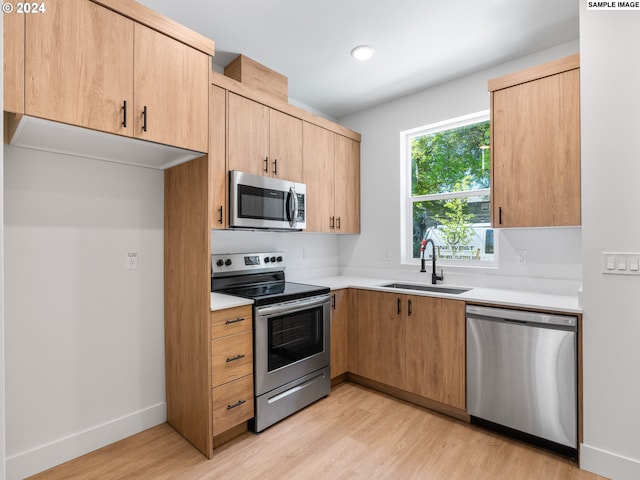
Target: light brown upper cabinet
x: 535, y: 146
x: 347, y: 185
x: 13, y: 68
x: 332, y: 176
x: 218, y: 176
x: 86, y: 65
x: 262, y: 140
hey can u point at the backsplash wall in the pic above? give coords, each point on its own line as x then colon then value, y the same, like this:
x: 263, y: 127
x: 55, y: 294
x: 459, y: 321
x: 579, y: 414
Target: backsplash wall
x: 308, y: 255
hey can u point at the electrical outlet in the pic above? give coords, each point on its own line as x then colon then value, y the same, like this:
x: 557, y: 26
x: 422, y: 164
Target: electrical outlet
x: 132, y: 261
x: 522, y: 256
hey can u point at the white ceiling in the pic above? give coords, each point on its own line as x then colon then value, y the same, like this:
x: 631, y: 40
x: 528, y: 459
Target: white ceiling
x: 419, y: 43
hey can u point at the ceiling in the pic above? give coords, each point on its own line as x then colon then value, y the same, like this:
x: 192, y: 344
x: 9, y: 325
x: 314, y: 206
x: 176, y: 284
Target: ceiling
x: 418, y: 43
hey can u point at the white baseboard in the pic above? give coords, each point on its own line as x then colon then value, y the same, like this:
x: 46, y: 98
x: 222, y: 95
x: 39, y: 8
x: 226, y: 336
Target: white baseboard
x: 46, y: 456
x: 608, y: 464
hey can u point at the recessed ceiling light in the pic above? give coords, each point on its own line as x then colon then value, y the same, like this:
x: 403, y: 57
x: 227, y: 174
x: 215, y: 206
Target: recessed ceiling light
x: 362, y: 52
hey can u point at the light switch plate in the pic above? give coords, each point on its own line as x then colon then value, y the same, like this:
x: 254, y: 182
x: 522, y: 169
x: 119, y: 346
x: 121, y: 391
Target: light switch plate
x: 132, y: 261
x: 620, y: 263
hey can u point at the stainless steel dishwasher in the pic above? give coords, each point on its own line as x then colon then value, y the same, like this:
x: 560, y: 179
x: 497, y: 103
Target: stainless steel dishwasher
x: 522, y: 375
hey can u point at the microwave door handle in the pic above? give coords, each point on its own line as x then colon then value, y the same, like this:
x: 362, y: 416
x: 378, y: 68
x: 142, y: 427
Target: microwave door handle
x: 292, y: 206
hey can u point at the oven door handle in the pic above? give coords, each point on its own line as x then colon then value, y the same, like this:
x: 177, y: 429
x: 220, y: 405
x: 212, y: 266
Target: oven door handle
x: 291, y: 307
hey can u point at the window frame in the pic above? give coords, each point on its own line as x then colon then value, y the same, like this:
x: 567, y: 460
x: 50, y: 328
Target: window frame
x: 407, y: 201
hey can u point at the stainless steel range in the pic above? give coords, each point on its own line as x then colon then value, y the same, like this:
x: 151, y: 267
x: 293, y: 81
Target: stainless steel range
x: 291, y: 332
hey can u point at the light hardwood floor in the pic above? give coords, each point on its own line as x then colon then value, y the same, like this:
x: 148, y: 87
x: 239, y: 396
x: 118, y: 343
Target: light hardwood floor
x: 355, y: 433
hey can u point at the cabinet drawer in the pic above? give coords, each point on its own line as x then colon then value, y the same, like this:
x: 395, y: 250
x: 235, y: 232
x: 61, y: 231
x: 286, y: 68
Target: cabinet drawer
x: 231, y: 321
x: 232, y: 404
x: 231, y: 358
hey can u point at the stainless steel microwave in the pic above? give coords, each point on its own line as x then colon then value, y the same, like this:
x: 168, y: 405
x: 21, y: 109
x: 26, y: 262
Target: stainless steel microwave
x: 266, y: 203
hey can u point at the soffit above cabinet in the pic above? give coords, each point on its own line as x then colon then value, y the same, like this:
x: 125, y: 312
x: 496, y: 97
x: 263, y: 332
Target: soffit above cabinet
x: 39, y: 134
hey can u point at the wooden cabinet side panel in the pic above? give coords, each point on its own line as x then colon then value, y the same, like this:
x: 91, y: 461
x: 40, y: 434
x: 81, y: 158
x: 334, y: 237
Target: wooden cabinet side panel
x: 339, y: 332
x: 285, y: 146
x: 172, y: 82
x: 187, y: 284
x: 218, y: 176
x: 247, y: 135
x: 319, y: 176
x: 435, y: 344
x: 347, y: 185
x: 79, y: 66
x: 381, y: 341
x: 536, y: 153
x: 13, y: 67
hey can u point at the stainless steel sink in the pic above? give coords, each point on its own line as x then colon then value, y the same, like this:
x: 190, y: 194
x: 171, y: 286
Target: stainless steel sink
x: 426, y: 288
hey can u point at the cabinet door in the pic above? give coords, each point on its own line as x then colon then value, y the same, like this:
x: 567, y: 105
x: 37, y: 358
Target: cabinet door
x: 79, y: 66
x: 381, y: 342
x: 536, y: 153
x: 218, y: 179
x: 347, y: 185
x: 172, y: 84
x: 13, y: 68
x: 248, y: 135
x: 339, y: 332
x: 285, y: 146
x: 319, y: 174
x: 435, y: 347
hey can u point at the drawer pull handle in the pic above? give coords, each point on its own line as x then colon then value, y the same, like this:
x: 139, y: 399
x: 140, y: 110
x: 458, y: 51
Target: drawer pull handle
x: 236, y: 320
x: 233, y: 359
x: 237, y: 404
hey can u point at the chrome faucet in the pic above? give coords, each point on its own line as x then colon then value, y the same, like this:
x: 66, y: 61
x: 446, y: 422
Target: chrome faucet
x: 434, y: 276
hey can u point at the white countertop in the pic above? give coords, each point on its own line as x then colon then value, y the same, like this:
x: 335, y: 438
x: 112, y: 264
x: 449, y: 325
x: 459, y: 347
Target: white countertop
x: 220, y: 301
x: 510, y: 298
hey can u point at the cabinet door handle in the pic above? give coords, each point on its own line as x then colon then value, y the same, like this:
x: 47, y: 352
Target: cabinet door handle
x: 266, y: 164
x: 220, y: 215
x: 124, y: 114
x: 409, y: 307
x: 499, y: 215
x: 235, y: 320
x: 332, y: 222
x: 144, y: 119
x: 338, y: 223
x: 235, y: 357
x: 275, y: 166
x: 399, y: 306
x: 237, y: 404
x: 333, y: 301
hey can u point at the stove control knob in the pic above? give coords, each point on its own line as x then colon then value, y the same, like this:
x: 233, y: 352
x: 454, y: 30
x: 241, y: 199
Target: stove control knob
x: 227, y: 262
x: 279, y: 259
x: 273, y: 259
x: 266, y: 259
x: 219, y: 263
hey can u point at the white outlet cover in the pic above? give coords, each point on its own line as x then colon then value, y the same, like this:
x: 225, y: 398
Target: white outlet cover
x: 132, y: 261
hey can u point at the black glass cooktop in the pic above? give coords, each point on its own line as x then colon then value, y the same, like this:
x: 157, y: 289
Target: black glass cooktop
x: 265, y: 289
x: 276, y: 292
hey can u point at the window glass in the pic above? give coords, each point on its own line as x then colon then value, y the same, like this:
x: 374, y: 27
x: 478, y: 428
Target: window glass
x: 448, y: 197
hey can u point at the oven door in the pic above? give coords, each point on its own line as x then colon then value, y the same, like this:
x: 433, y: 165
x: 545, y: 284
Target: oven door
x: 291, y: 340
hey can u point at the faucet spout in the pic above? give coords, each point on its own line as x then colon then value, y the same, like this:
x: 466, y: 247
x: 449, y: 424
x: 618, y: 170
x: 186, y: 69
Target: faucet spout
x: 434, y: 276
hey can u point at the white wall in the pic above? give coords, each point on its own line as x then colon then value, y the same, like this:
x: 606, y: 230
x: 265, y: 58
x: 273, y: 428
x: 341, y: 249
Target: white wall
x: 553, y: 255
x: 610, y: 106
x: 84, y: 336
x: 2, y: 391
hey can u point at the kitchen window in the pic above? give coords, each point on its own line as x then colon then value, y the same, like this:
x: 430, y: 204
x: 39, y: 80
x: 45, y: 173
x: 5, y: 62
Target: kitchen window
x: 446, y: 180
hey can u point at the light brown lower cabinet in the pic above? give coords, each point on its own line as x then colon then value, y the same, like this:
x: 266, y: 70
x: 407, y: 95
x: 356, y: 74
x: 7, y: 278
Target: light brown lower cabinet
x: 231, y: 368
x: 339, y: 332
x: 413, y: 343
